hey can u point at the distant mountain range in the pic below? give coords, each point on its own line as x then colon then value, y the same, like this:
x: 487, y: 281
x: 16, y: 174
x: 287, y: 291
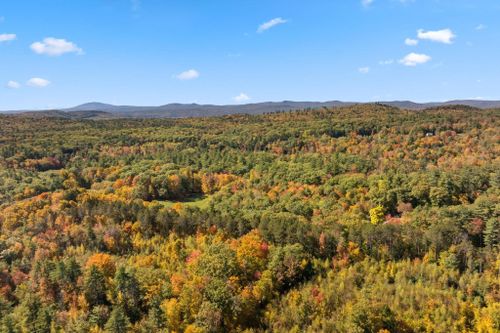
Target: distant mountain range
x: 475, y: 103
x: 102, y: 111
x: 176, y: 110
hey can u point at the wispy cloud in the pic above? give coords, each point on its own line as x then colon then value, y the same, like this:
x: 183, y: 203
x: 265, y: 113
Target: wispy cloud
x: 445, y: 36
x: 38, y: 82
x: 480, y: 27
x: 242, y: 97
x: 7, y: 37
x: 13, y: 85
x: 55, y: 47
x: 190, y: 74
x: 411, y: 42
x: 386, y: 62
x: 367, y: 3
x: 269, y: 24
x: 364, y: 70
x: 414, y: 59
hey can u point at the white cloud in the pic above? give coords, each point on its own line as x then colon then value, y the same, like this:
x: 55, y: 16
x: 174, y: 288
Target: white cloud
x: 386, y: 62
x: 414, y: 59
x: 38, y: 82
x: 241, y: 98
x: 481, y: 27
x: 269, y: 24
x: 367, y: 3
x: 188, y: 75
x: 445, y: 36
x: 7, y: 37
x: 364, y: 70
x: 13, y: 85
x: 411, y: 42
x: 55, y: 47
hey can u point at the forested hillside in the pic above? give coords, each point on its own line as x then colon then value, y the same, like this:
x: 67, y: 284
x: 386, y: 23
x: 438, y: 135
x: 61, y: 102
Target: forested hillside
x: 365, y: 218
x: 178, y: 110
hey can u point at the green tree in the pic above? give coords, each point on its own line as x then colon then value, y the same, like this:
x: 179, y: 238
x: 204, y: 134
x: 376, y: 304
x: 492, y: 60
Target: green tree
x: 94, y: 288
x: 127, y: 293
x: 118, y: 321
x: 492, y: 232
x: 43, y: 321
x: 218, y: 261
x: 289, y: 265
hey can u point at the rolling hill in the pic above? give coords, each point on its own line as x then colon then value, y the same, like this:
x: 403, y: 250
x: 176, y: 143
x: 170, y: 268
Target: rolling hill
x: 96, y: 110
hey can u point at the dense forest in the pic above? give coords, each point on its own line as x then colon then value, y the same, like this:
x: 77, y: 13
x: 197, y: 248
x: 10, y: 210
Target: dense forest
x: 365, y: 218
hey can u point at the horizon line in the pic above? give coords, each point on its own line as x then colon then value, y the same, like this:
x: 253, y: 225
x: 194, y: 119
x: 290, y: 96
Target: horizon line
x: 253, y: 103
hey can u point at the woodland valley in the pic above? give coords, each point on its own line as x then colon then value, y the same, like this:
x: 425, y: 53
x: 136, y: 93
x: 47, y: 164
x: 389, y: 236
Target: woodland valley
x: 356, y: 219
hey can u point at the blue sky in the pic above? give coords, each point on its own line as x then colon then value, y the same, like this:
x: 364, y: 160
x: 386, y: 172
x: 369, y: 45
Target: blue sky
x: 59, y: 53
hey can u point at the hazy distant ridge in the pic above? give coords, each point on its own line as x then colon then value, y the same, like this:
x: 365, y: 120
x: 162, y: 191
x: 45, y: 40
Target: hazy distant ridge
x: 197, y: 110
x: 176, y: 110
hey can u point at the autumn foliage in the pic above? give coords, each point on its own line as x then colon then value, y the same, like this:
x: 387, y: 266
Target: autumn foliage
x: 359, y: 219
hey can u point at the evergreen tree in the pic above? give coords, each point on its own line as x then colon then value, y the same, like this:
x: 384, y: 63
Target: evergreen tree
x: 492, y: 232
x: 118, y: 321
x: 42, y: 322
x: 94, y: 288
x: 127, y: 293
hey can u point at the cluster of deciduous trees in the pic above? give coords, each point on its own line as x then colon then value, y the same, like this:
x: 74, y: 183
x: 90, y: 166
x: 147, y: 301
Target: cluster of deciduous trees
x: 359, y: 219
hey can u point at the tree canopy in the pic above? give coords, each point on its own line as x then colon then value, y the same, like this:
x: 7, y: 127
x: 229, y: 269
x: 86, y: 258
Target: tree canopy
x: 365, y: 218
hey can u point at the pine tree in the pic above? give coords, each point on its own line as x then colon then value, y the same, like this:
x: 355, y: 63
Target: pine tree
x: 42, y: 322
x: 94, y: 288
x: 492, y: 232
x: 73, y: 271
x: 127, y: 293
x: 7, y: 325
x: 118, y: 321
